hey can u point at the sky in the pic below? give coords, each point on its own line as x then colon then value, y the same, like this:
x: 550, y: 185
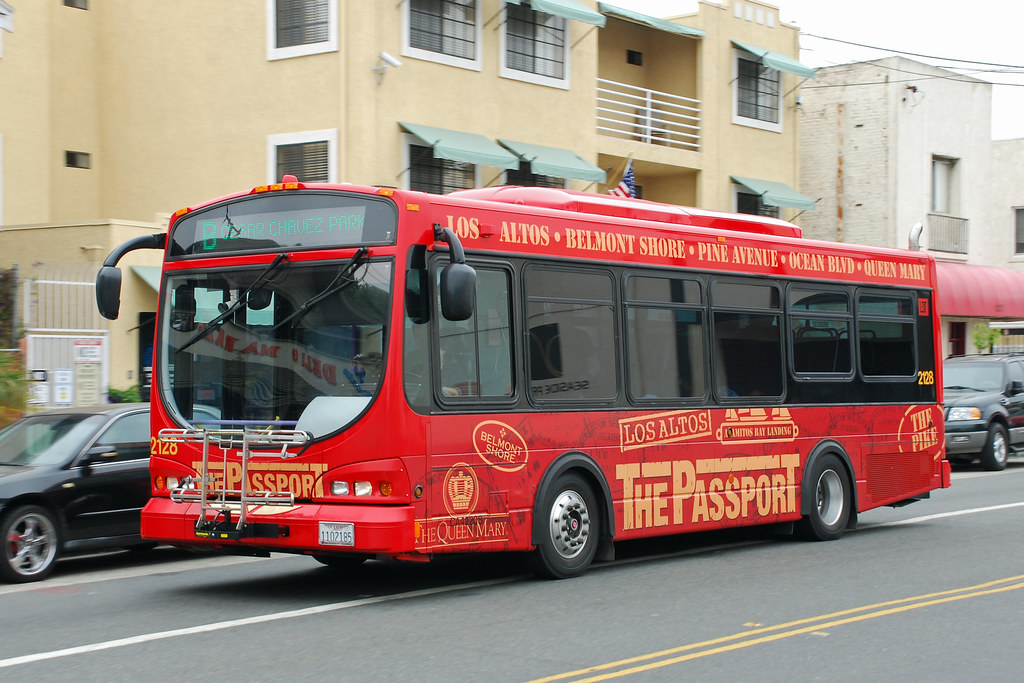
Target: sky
x: 980, y: 31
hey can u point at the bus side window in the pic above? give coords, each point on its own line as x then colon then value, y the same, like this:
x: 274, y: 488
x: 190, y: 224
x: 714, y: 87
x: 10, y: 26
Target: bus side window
x: 476, y: 354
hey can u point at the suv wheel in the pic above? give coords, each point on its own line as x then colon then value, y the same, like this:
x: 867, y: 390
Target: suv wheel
x: 993, y: 455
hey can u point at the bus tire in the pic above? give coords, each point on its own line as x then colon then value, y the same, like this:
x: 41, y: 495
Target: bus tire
x: 993, y: 455
x: 341, y: 562
x: 829, y: 509
x: 572, y: 529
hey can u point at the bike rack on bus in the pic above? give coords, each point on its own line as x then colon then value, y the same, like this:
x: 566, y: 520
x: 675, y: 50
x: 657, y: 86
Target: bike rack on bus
x: 222, y: 501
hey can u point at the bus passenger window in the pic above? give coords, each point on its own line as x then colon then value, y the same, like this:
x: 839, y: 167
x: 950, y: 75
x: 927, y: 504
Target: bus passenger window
x: 664, y: 338
x: 885, y: 334
x: 572, y: 335
x: 747, y: 339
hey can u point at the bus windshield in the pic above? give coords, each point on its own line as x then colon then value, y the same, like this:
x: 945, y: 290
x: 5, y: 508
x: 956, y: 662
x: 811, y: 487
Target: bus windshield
x: 284, y: 345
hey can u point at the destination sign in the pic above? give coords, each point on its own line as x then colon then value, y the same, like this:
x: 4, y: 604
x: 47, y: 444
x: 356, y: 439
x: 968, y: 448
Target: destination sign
x: 283, y: 222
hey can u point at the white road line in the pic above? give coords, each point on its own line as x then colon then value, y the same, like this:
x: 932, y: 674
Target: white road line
x: 233, y: 623
x: 941, y: 515
x: 130, y: 572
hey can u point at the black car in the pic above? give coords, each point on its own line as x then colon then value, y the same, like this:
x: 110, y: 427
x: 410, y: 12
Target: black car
x: 71, y: 481
x: 984, y: 402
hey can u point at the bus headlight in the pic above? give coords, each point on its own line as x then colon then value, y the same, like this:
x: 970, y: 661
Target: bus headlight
x: 339, y: 488
x: 363, y: 488
x: 967, y: 413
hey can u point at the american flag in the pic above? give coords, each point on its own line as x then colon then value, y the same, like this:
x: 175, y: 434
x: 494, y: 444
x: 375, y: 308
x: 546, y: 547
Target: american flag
x: 626, y: 186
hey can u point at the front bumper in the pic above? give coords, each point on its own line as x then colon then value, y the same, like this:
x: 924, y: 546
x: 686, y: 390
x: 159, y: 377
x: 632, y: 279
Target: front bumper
x: 965, y: 437
x: 379, y: 529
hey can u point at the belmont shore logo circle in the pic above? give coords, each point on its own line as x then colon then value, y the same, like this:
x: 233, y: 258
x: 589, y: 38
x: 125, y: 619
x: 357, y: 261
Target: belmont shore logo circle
x: 500, y: 446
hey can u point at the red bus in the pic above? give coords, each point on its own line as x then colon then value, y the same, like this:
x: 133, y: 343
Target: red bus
x: 351, y: 372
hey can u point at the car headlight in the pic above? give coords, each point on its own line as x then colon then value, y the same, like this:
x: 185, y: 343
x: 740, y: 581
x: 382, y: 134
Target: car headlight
x: 967, y: 413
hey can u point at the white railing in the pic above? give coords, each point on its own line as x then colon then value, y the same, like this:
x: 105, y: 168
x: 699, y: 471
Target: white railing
x: 948, y: 233
x: 650, y: 116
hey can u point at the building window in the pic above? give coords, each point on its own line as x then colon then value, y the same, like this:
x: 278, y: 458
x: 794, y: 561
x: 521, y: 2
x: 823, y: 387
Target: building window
x: 306, y: 161
x: 524, y: 177
x: 428, y: 173
x: 534, y: 47
x: 943, y: 177
x: 301, y: 27
x: 757, y: 101
x: 957, y: 338
x: 748, y: 202
x: 1018, y: 232
x: 77, y: 4
x: 446, y: 31
x: 77, y: 159
x: 310, y: 156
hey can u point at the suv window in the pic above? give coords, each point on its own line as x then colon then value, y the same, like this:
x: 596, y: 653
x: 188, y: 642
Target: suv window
x: 980, y: 376
x: 1017, y: 371
x: 130, y: 434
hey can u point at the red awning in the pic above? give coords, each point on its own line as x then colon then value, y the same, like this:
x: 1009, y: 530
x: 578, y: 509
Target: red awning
x: 979, y: 291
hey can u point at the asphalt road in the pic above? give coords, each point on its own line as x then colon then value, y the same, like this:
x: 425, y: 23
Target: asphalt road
x: 932, y: 591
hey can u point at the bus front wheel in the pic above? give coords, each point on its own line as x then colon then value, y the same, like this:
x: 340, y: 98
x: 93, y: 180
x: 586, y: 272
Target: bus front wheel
x: 830, y: 505
x: 572, y: 529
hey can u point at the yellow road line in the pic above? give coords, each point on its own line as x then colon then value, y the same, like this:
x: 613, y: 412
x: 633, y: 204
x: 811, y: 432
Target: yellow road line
x: 786, y: 630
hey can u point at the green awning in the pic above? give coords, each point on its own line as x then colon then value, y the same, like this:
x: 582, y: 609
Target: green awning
x: 660, y: 24
x: 552, y: 161
x: 458, y: 146
x: 569, y: 9
x: 151, y: 275
x: 776, y: 194
x: 776, y: 60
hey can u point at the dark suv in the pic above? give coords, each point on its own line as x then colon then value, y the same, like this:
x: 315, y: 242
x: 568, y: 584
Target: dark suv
x: 984, y: 402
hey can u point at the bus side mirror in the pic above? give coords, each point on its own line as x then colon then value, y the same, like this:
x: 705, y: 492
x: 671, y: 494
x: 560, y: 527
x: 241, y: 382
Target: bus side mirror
x: 108, y: 280
x: 458, y: 279
x: 458, y: 291
x: 108, y: 292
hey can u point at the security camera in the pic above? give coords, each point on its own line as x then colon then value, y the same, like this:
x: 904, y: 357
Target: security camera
x: 393, y: 61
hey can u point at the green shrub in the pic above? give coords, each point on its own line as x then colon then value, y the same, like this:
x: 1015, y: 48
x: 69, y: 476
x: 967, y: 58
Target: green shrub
x: 13, y: 387
x: 130, y: 395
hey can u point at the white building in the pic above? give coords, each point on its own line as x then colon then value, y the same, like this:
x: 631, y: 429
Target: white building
x: 889, y: 144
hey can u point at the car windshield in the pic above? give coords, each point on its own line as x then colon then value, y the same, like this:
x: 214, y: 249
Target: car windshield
x: 306, y: 332
x: 47, y: 439
x: 977, y: 376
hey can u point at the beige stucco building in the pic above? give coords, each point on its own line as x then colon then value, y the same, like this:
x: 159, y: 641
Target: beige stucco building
x: 126, y: 111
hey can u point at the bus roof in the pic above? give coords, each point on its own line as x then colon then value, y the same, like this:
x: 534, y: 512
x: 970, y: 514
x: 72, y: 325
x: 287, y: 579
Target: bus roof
x: 636, y: 209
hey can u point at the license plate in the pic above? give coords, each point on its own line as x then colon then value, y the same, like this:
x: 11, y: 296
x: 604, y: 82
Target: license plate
x: 337, y: 533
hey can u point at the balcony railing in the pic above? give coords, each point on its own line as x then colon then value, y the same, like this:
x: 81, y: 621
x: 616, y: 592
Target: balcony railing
x: 947, y: 233
x: 657, y: 118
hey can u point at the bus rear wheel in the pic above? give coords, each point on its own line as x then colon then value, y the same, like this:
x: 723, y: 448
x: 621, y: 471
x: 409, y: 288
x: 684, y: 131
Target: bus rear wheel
x: 830, y: 505
x: 572, y: 529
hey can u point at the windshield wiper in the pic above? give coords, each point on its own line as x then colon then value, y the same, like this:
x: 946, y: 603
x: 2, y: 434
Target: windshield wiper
x: 342, y: 280
x: 242, y: 300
